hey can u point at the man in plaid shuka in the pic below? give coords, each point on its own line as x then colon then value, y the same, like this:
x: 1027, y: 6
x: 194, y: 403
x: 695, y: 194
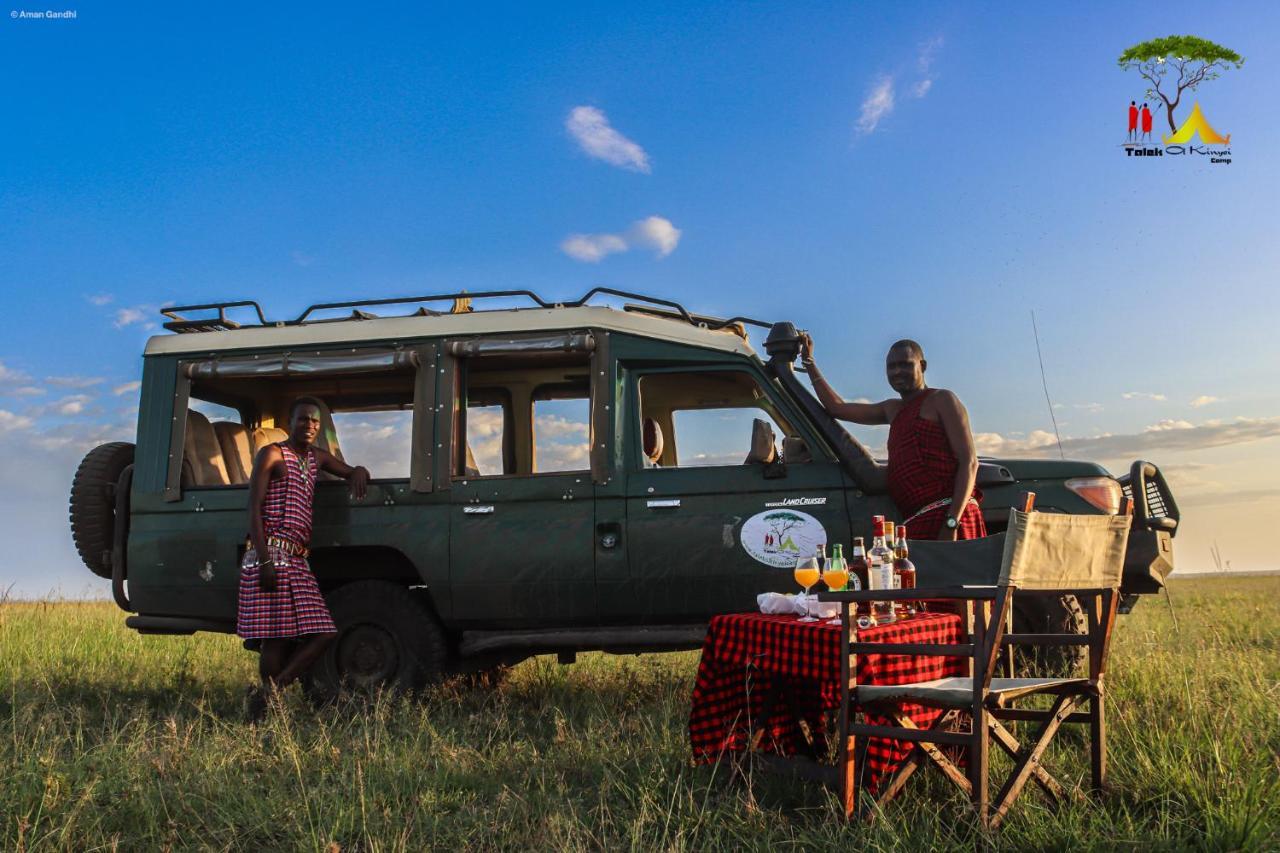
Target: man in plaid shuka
x: 280, y: 602
x: 933, y: 466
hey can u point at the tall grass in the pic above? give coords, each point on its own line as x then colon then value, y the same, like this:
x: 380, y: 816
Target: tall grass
x: 110, y: 740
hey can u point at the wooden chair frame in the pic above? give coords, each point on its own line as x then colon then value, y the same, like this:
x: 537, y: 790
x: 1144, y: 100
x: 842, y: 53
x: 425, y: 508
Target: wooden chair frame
x: 989, y: 647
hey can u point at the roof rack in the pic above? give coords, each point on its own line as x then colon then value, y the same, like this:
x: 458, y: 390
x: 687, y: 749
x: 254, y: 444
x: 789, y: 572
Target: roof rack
x: 674, y: 310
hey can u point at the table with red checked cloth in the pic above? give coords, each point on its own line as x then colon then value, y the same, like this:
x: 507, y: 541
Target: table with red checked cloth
x: 747, y: 656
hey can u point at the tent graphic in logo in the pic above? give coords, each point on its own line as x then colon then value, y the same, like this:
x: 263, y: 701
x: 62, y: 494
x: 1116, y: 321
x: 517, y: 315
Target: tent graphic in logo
x: 1197, y: 124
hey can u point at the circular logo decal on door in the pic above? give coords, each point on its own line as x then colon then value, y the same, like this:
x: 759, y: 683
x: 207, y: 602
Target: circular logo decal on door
x: 777, y: 537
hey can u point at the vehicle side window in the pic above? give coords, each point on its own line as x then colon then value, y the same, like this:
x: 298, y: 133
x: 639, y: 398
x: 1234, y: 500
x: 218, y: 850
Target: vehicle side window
x: 366, y: 419
x: 378, y: 438
x: 522, y: 416
x: 561, y: 430
x: 703, y: 418
x: 486, y: 436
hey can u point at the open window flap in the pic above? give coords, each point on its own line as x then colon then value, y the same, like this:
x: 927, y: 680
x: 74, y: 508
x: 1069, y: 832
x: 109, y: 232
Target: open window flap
x: 303, y: 364
x: 573, y: 342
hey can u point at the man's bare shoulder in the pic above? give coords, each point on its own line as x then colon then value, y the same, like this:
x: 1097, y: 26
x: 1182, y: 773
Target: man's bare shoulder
x: 942, y: 403
x: 268, y: 455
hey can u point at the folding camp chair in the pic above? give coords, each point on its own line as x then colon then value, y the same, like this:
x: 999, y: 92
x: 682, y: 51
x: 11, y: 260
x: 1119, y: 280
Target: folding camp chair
x: 1044, y: 554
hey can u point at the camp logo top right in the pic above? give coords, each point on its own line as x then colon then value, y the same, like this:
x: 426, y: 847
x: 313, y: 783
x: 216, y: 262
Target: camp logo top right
x: 1173, y: 69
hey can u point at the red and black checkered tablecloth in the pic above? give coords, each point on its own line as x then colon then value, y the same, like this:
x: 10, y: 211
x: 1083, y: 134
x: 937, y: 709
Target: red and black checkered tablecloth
x: 748, y: 656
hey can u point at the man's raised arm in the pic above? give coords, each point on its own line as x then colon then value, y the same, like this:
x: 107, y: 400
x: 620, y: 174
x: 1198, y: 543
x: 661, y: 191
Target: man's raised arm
x: 858, y: 413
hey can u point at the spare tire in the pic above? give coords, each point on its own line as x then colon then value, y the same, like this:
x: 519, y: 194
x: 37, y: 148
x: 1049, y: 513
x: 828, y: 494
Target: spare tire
x: 1049, y: 614
x: 93, y: 503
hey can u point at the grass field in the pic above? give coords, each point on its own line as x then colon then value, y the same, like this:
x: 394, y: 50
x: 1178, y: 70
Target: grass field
x: 116, y: 741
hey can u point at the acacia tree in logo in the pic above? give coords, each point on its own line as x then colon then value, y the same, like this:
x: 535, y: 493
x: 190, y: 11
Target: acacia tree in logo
x: 779, y: 524
x: 1195, y: 59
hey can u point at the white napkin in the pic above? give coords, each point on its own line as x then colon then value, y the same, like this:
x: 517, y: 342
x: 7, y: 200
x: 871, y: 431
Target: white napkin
x: 779, y: 604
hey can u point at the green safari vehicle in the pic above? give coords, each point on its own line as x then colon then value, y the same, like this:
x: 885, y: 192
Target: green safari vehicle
x: 556, y: 478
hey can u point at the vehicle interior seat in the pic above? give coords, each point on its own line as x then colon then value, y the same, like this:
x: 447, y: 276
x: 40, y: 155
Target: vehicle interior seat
x: 237, y: 452
x: 763, y: 448
x: 262, y: 436
x: 328, y: 437
x: 795, y: 449
x: 202, y: 462
x: 651, y: 436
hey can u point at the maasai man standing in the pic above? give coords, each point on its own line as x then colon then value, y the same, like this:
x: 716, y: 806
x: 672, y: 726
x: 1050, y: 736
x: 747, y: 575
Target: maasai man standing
x: 280, y: 601
x: 932, y: 461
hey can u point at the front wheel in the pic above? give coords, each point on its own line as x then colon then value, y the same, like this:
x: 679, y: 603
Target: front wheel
x: 387, y: 640
x: 1045, y: 614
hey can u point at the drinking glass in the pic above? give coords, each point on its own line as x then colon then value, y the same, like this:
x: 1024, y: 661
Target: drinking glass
x: 807, y: 575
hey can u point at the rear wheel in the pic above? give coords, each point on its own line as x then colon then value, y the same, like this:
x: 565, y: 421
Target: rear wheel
x: 1044, y: 614
x: 93, y: 503
x: 387, y: 640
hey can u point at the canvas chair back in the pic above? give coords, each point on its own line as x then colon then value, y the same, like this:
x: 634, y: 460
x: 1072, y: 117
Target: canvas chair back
x: 1047, y: 551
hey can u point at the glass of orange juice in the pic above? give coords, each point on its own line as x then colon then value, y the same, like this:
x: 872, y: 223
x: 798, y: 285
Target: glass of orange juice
x: 807, y: 575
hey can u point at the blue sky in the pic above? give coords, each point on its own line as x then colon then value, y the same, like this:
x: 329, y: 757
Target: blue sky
x: 155, y: 154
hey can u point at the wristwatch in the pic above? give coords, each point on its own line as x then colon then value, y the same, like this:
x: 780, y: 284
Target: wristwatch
x: 952, y: 524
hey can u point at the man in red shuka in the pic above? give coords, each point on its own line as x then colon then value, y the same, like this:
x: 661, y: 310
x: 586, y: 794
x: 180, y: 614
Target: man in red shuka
x: 932, y: 462
x: 1133, y: 122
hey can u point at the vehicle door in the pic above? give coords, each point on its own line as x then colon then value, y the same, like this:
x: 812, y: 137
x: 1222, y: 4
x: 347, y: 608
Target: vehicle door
x: 707, y: 528
x: 522, y: 500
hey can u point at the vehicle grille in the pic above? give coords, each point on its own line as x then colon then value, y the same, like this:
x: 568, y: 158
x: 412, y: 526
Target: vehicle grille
x: 1156, y: 507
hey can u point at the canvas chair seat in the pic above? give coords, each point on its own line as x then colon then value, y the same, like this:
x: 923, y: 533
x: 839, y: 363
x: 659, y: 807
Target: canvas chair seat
x: 958, y: 692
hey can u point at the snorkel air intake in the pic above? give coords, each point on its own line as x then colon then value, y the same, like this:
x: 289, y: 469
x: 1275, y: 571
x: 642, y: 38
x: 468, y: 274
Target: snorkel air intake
x: 783, y: 346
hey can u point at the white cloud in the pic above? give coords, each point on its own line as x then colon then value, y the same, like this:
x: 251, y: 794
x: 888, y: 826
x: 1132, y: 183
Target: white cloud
x: 558, y: 428
x: 126, y: 388
x: 592, y: 248
x: 74, y: 381
x: 9, y: 376
x: 129, y: 316
x: 591, y: 128
x: 654, y: 232
x: 73, y: 405
x: 1203, y: 400
x: 924, y: 65
x: 1168, y: 435
x: 100, y: 299
x: 876, y: 105
x: 27, y: 391
x: 1168, y: 424
x: 1143, y: 395
x: 1093, y: 408
x: 10, y: 422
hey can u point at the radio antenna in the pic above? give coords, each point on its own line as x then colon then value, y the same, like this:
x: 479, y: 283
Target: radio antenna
x: 1044, y: 382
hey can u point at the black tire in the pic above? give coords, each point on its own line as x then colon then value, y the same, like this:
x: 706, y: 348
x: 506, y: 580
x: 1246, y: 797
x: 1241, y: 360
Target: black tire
x: 93, y: 504
x: 1045, y: 614
x: 388, y: 639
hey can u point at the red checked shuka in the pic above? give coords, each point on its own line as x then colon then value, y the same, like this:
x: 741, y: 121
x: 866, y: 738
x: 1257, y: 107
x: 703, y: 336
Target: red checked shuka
x: 296, y: 607
x: 922, y: 475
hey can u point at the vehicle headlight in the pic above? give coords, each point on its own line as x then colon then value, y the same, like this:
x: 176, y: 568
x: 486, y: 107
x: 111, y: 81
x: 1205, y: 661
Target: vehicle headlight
x: 1102, y: 492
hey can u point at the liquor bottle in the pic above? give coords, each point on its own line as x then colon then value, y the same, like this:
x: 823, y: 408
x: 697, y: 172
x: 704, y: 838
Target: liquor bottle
x: 889, y: 529
x: 822, y: 556
x: 904, y: 569
x: 880, y: 572
x: 858, y: 577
